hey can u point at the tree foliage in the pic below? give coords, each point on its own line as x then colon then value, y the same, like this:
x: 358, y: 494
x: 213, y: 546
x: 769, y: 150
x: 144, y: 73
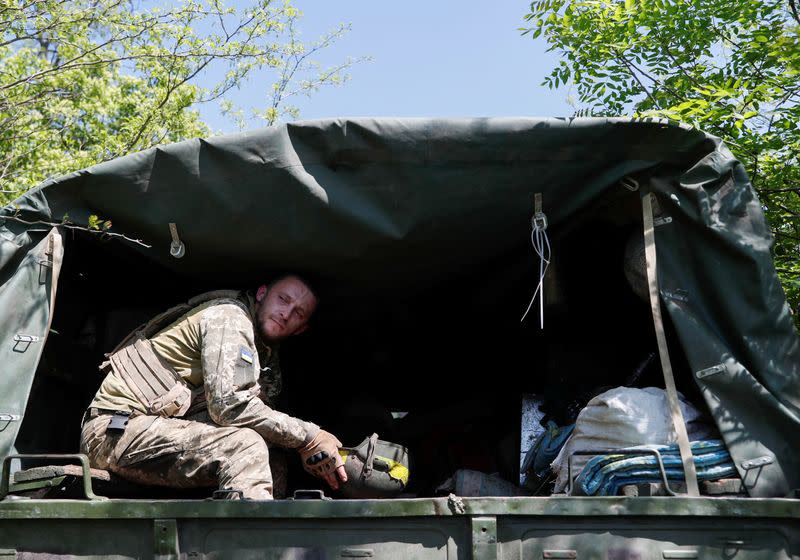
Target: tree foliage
x: 730, y: 67
x: 84, y: 81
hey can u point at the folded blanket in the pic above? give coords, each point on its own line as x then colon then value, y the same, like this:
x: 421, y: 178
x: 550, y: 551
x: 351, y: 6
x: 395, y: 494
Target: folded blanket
x: 604, y: 475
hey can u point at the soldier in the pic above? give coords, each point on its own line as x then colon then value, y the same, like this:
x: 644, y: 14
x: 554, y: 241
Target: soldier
x: 189, y: 405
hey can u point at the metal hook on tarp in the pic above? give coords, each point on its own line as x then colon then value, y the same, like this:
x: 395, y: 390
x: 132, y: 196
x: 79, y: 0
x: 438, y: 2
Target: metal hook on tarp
x: 177, y: 249
x: 541, y: 244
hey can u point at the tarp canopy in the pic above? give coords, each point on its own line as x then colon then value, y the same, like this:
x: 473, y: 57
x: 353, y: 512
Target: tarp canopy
x: 391, y: 210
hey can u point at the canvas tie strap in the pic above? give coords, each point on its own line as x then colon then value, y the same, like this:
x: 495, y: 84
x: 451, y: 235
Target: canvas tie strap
x: 669, y: 381
x: 177, y: 249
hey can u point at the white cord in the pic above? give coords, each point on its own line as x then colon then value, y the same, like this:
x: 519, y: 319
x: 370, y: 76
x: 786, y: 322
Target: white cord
x: 541, y: 244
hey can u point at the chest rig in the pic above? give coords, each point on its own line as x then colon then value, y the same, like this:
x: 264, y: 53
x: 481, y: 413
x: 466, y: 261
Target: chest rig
x: 157, y: 386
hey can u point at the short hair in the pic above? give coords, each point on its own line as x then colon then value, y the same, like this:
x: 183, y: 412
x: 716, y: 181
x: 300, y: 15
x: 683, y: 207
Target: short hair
x: 303, y: 278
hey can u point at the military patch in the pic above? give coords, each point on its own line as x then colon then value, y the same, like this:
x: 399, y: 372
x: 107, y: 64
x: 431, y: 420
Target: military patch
x: 245, y: 368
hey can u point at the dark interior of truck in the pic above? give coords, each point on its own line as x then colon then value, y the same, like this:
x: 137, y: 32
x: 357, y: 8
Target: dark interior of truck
x: 439, y: 366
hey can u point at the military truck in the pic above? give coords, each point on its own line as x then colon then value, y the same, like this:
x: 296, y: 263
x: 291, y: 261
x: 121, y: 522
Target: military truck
x: 427, y: 240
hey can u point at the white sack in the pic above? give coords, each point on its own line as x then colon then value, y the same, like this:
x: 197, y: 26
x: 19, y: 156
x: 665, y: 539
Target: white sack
x: 625, y: 417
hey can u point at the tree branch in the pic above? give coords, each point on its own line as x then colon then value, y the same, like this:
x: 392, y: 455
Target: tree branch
x: 787, y: 271
x: 101, y: 233
x: 792, y: 189
x: 786, y: 235
x: 631, y: 67
x: 787, y: 210
x: 793, y: 7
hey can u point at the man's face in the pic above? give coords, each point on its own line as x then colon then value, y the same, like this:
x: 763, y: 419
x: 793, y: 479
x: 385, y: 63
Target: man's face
x: 284, y: 308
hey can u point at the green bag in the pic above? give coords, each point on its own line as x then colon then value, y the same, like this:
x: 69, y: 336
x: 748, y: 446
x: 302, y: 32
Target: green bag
x: 375, y: 469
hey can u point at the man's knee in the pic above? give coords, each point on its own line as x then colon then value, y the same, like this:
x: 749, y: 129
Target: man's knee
x: 249, y: 442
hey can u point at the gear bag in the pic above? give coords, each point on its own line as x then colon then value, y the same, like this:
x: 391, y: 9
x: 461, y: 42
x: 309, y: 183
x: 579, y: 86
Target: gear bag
x: 375, y: 469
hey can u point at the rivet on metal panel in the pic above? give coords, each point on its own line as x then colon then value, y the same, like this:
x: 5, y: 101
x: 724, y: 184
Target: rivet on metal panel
x: 757, y: 462
x: 484, y: 538
x: 165, y: 539
x: 719, y: 368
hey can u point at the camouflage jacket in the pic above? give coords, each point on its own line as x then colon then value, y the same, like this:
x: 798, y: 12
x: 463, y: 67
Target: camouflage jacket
x: 215, y: 345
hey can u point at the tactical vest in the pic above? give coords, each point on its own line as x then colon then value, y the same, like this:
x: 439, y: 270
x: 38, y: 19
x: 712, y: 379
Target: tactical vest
x: 157, y: 386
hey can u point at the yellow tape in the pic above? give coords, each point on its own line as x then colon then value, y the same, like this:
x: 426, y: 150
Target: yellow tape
x: 397, y: 471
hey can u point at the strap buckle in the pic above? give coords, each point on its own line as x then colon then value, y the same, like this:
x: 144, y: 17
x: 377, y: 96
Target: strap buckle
x: 118, y: 421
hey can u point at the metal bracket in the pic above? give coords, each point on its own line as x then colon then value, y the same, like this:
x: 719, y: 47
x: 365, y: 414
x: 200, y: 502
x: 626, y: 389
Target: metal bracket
x: 484, y: 538
x: 6, y: 418
x: 539, y: 220
x: 44, y: 264
x: 662, y: 221
x: 685, y: 554
x: 5, y: 477
x: 713, y: 370
x: 165, y: 537
x: 676, y: 295
x: 757, y: 462
x: 312, y: 494
x: 23, y: 341
x: 26, y: 338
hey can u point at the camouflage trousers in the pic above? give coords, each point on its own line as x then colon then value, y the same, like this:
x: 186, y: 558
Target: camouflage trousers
x: 180, y: 453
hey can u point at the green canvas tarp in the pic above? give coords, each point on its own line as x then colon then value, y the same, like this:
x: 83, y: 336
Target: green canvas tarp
x: 390, y: 206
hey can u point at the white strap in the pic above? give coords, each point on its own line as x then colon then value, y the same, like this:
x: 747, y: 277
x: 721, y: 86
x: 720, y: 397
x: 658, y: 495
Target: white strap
x: 541, y: 244
x: 669, y: 381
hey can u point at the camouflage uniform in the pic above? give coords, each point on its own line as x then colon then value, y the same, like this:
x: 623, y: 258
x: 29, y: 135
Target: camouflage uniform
x: 227, y: 442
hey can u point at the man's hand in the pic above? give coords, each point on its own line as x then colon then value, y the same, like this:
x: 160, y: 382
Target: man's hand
x: 320, y: 457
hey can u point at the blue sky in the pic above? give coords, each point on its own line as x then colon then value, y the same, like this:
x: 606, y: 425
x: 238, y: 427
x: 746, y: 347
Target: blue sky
x: 434, y: 58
